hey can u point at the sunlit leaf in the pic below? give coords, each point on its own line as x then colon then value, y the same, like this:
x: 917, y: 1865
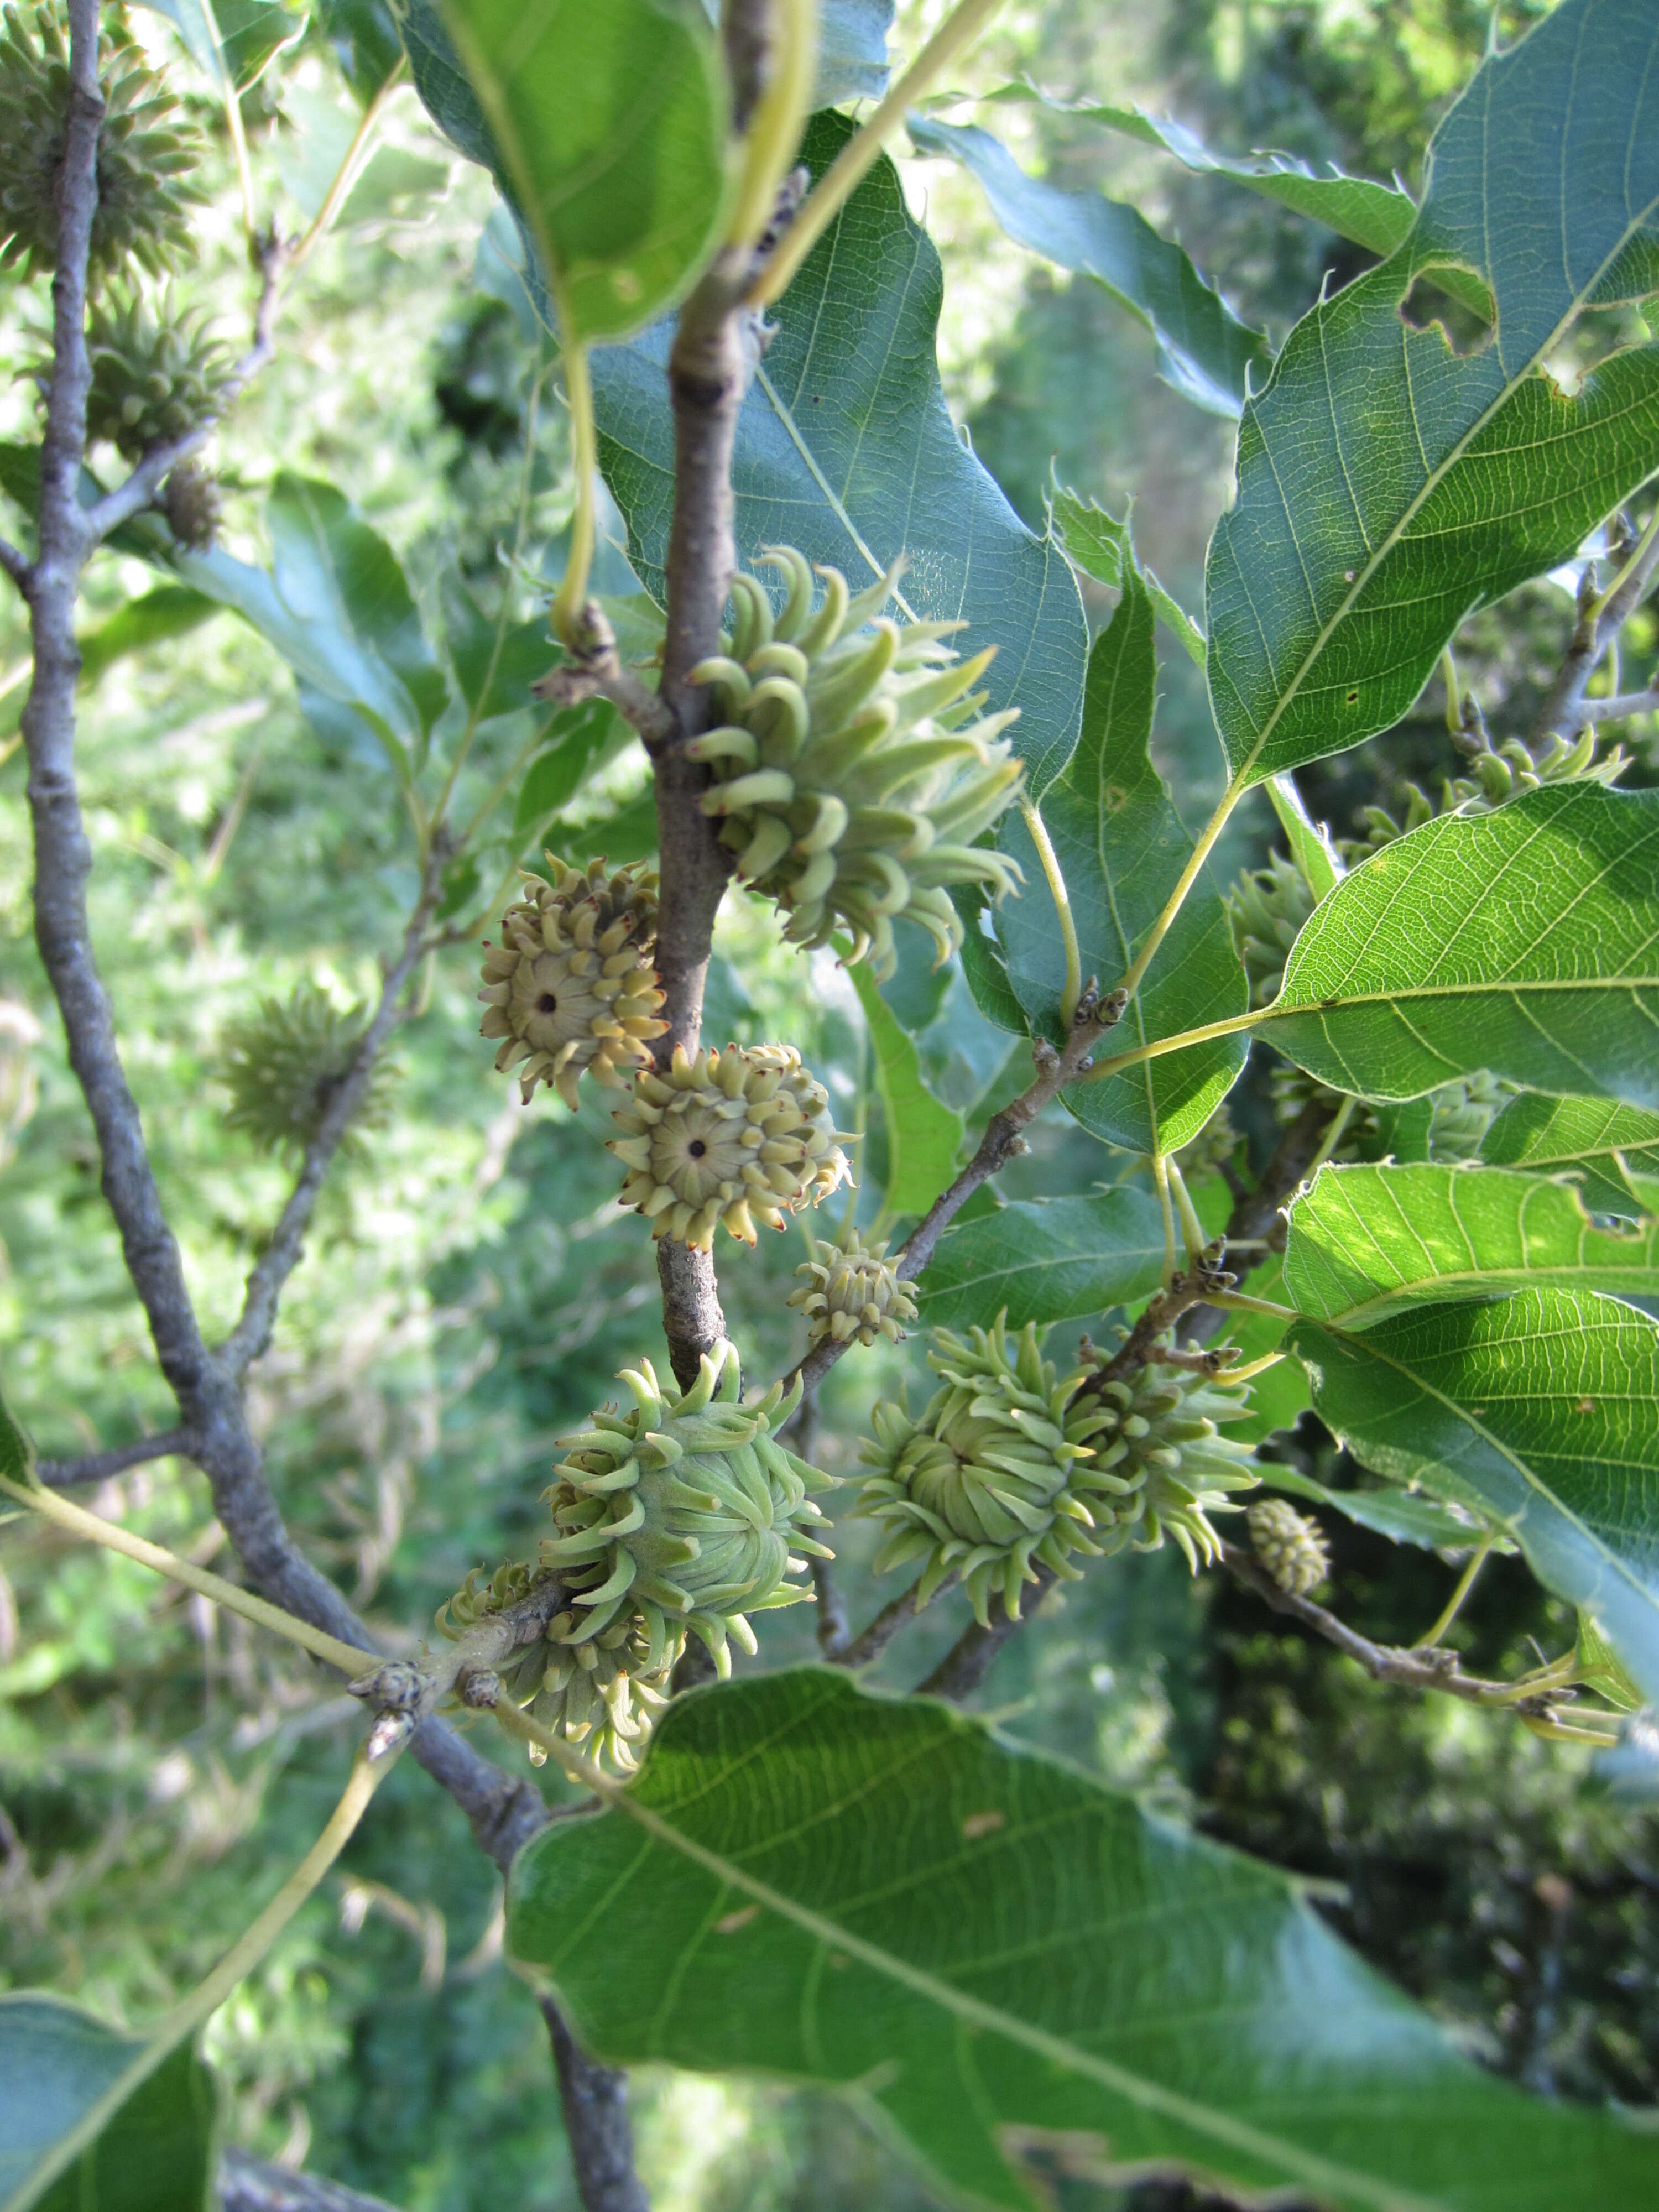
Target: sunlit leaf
x: 1539, y: 1411
x: 923, y: 1136
x: 1597, y: 1143
x: 1046, y: 1260
x: 1006, y: 1962
x: 1387, y: 485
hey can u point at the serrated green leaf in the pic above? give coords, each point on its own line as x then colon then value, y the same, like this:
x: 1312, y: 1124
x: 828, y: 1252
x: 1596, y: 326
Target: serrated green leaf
x: 1524, y: 942
x: 1596, y: 1143
x: 1046, y: 1260
x: 605, y: 127
x: 233, y: 42
x: 846, y: 448
x: 1376, y: 216
x: 56, y: 2061
x: 923, y: 1136
x: 575, y: 738
x: 364, y: 36
x: 1204, y: 350
x: 1539, y: 1411
x: 1098, y: 542
x: 1002, y: 1959
x: 1121, y: 848
x: 170, y: 610
x: 1368, y: 1242
x: 1387, y: 485
x: 1400, y: 1515
x: 983, y: 965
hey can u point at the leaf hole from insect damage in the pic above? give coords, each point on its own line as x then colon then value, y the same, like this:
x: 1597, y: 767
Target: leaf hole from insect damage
x: 1115, y: 798
x: 1353, y: 698
x: 1433, y: 304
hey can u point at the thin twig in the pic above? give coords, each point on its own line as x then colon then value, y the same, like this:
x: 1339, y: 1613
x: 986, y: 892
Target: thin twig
x: 594, y: 670
x: 132, y: 496
x: 1003, y: 1140
x: 249, y: 2185
x: 1612, y: 710
x: 98, y: 1467
x: 872, y: 1641
x: 16, y: 565
x: 1601, y: 615
x: 251, y: 1337
x: 1423, y: 1667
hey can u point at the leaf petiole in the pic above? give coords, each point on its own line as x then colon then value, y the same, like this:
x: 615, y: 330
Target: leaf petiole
x: 1037, y: 829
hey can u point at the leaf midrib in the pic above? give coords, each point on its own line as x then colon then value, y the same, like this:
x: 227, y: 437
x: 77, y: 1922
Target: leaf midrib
x: 1304, y: 2166
x: 1386, y: 545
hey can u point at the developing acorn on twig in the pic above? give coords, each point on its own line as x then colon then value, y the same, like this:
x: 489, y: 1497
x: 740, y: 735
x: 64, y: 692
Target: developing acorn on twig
x: 571, y: 988
x: 146, y: 153
x: 740, y: 1136
x: 980, y: 1486
x: 284, y: 1066
x: 851, y: 1290
x: 1160, y: 1465
x: 851, y: 777
x: 157, y: 372
x: 1290, y: 1546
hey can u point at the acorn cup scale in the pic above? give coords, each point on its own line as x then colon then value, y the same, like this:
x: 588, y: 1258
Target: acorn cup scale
x: 739, y: 1137
x: 852, y: 770
x: 570, y: 988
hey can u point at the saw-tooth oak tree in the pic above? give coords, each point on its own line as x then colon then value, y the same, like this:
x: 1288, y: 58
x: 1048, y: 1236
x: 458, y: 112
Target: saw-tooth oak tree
x: 869, y: 702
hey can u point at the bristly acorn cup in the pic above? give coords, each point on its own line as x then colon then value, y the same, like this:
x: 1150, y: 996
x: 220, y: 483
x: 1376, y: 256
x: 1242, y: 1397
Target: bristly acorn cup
x: 851, y: 775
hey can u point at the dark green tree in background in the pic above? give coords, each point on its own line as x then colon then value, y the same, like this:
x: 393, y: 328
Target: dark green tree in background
x: 1090, y: 1636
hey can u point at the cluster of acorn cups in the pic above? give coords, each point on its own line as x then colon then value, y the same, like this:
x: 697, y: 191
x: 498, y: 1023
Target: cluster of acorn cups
x: 850, y: 781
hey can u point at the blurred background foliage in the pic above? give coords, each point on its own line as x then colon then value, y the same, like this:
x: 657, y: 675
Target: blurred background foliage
x: 469, y: 1292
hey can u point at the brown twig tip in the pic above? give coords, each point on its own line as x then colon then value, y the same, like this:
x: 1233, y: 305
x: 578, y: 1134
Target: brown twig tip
x: 480, y: 1688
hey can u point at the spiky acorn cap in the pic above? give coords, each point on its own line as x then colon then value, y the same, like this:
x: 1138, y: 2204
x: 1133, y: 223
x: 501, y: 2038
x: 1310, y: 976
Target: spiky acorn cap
x: 146, y: 154
x: 1289, y: 1546
x: 685, y: 1513
x: 1463, y: 1112
x: 570, y: 988
x: 157, y: 373
x: 284, y: 1064
x: 740, y: 1136
x: 603, y: 1692
x: 1160, y: 1464
x: 1496, y: 773
x: 189, y: 501
x: 981, y: 1485
x: 1268, y: 907
x: 851, y: 775
x: 852, y: 1290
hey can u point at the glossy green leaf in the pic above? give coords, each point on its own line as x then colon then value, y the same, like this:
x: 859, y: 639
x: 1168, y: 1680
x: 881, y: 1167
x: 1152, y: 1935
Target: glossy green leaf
x: 1596, y: 1143
x: 983, y: 964
x: 1525, y: 942
x: 56, y: 2061
x: 364, y: 36
x: 575, y: 740
x: 1402, y: 1515
x: 336, y: 606
x: 846, y: 449
x: 1368, y: 1241
x: 1539, y: 1411
x: 1376, y: 216
x: 1204, y: 350
x: 1388, y: 485
x: 233, y: 42
x: 923, y: 1136
x: 1046, y: 1260
x: 1121, y: 847
x: 1096, y: 542
x: 494, y: 674
x: 170, y: 610
x: 1006, y: 1963
x: 605, y: 126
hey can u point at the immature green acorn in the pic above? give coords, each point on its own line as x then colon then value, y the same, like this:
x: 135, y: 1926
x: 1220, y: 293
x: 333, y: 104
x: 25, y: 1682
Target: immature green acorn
x: 156, y: 374
x: 189, y: 501
x: 851, y: 775
x: 1160, y: 1465
x: 284, y: 1066
x: 146, y: 153
x: 983, y: 1486
x: 570, y: 988
x: 852, y: 1290
x: 1496, y: 773
x: 740, y: 1136
x: 685, y: 1513
x: 1289, y: 1546
x: 1269, y: 907
x: 601, y: 1690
